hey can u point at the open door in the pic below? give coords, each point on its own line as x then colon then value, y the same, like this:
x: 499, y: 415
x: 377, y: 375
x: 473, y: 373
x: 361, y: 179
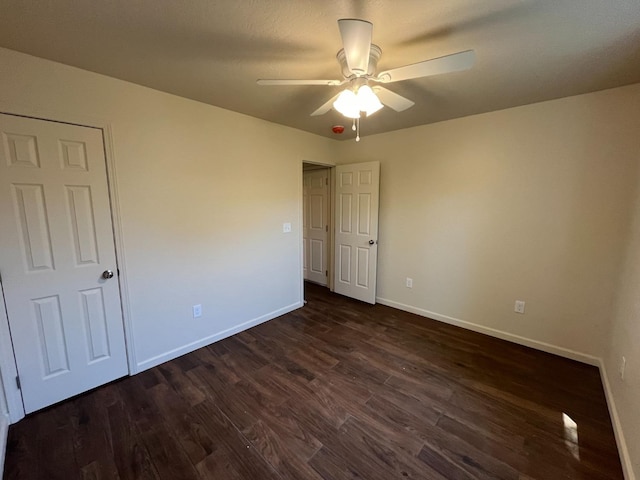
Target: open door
x: 356, y: 224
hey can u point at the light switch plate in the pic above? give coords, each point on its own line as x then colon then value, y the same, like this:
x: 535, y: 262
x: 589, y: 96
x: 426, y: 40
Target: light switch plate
x: 286, y: 228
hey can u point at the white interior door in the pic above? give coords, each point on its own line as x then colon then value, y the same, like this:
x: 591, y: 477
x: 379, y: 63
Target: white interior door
x: 356, y: 223
x: 316, y: 224
x: 56, y: 242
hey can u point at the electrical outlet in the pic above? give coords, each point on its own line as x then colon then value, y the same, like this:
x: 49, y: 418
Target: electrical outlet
x: 286, y: 227
x: 409, y: 282
x: 623, y: 364
x: 197, y: 311
x: 519, y: 308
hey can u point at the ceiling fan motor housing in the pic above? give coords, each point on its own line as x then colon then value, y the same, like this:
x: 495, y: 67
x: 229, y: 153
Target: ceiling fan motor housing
x: 374, y: 56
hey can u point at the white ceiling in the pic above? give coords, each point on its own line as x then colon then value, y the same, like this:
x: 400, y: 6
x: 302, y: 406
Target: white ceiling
x: 213, y: 51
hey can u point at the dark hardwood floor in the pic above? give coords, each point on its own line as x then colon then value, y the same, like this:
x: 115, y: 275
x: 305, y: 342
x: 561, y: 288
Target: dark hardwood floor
x: 336, y: 390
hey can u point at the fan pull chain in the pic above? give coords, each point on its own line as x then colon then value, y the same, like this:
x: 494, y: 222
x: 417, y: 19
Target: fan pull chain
x: 358, y: 130
x: 353, y: 127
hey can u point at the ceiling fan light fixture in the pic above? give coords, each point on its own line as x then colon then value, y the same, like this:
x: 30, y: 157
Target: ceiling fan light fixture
x: 350, y: 104
x: 347, y: 104
x: 358, y: 59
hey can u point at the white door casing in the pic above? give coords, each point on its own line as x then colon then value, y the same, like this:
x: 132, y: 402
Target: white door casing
x: 57, y: 239
x: 356, y: 230
x: 316, y: 224
x: 8, y: 372
x: 4, y: 424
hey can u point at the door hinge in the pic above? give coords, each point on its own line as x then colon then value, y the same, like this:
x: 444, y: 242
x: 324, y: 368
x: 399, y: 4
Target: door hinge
x: 18, y: 384
x: 326, y: 273
x: 326, y: 228
x: 326, y: 181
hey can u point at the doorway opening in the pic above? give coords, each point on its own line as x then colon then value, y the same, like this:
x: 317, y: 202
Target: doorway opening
x: 316, y: 224
x: 340, y: 228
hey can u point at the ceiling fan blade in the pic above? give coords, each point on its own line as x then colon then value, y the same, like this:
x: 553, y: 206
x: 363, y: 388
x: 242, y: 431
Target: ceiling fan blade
x: 298, y: 82
x: 325, y: 107
x: 356, y: 41
x: 392, y: 99
x: 449, y: 63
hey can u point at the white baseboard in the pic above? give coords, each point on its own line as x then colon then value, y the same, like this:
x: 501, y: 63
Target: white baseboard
x: 190, y: 347
x: 4, y: 430
x: 527, y: 342
x: 627, y: 467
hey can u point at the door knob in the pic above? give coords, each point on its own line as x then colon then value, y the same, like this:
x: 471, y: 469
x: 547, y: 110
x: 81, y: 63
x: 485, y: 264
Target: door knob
x: 107, y: 274
x: 371, y: 242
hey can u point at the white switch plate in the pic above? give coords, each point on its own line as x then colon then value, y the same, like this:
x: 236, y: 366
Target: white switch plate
x: 286, y: 228
x: 197, y: 311
x: 519, y: 308
x: 409, y: 282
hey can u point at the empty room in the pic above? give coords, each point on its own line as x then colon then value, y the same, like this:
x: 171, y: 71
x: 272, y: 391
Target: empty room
x: 320, y: 240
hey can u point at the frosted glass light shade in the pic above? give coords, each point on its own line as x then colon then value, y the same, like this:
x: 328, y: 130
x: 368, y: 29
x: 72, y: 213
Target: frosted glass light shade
x: 347, y: 104
x: 368, y: 101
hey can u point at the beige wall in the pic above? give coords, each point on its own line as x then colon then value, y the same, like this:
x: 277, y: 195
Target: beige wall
x: 529, y: 203
x: 625, y: 341
x: 203, y: 194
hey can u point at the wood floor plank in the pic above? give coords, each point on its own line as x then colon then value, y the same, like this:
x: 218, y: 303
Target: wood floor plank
x: 92, y: 441
x: 127, y: 446
x: 314, y: 395
x: 238, y: 453
x: 181, y: 383
x: 291, y: 430
x: 170, y: 460
x: 276, y: 450
x: 336, y: 390
x: 188, y: 431
x: 371, y: 456
x: 224, y: 396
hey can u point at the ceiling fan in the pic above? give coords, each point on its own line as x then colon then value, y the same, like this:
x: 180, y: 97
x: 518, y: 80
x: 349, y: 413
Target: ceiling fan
x: 359, y: 60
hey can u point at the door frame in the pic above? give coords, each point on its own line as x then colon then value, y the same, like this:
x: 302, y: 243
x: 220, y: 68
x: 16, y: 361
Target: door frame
x: 8, y: 366
x: 330, y: 167
x: 327, y: 204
